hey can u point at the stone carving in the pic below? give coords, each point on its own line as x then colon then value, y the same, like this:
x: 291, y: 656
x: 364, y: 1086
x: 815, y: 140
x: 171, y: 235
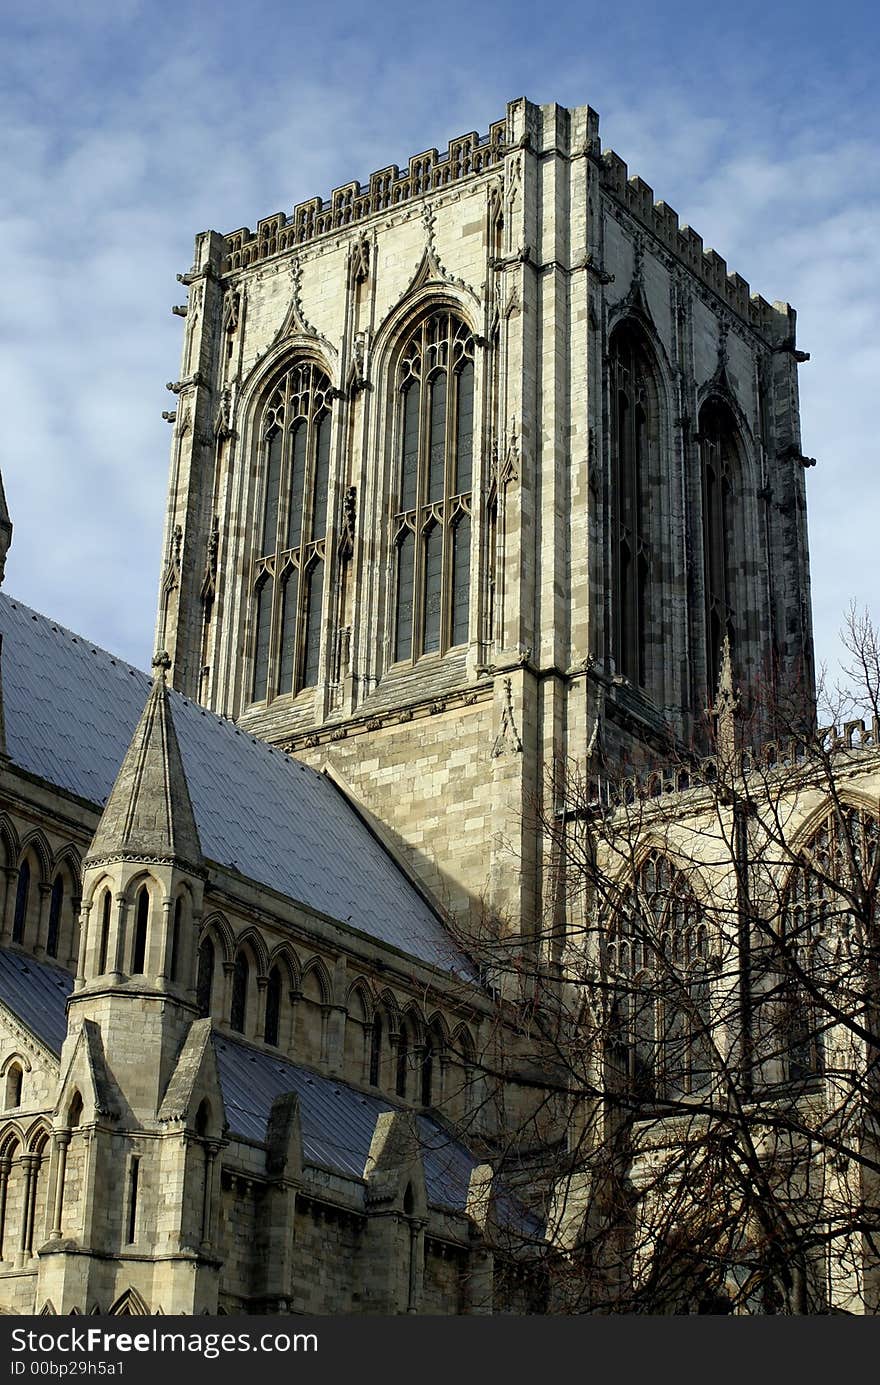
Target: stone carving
x: 347, y: 529
x: 507, y: 741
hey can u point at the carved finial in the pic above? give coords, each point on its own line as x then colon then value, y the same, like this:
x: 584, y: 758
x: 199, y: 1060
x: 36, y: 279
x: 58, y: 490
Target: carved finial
x: 161, y: 663
x: 429, y: 218
x: 638, y: 259
x: 726, y: 706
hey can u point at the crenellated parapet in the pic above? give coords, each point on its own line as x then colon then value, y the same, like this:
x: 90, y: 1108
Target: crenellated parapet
x: 634, y: 194
x: 467, y: 156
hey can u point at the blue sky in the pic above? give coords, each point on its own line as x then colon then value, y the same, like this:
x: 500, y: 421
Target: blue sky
x: 129, y: 126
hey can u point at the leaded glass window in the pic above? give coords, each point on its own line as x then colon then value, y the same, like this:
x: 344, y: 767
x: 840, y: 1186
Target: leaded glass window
x: 633, y: 416
x: 139, y: 949
x: 717, y: 439
x: 431, y: 526
x: 273, y: 1007
x: 657, y: 963
x: 830, y: 908
x: 288, y: 592
x: 238, y: 1007
x: 56, y: 903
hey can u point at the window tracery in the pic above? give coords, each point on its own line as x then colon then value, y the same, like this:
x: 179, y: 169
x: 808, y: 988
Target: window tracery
x: 822, y: 932
x: 657, y: 960
x: 294, y: 449
x: 633, y: 420
x: 431, y: 524
x: 718, y: 454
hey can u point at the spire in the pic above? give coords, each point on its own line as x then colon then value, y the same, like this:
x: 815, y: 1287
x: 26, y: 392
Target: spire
x: 5, y: 530
x: 149, y: 812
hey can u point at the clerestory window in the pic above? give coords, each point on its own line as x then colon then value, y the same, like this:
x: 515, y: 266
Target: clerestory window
x: 431, y: 524
x: 288, y: 593
x: 657, y: 965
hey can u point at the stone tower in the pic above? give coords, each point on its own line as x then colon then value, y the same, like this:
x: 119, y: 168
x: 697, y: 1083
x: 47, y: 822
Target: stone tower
x: 475, y: 467
x: 137, y: 1066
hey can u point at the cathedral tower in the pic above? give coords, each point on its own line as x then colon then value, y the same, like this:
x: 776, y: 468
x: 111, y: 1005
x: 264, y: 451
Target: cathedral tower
x: 475, y: 467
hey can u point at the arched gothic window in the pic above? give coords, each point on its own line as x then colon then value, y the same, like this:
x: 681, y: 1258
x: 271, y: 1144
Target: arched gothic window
x: 139, y: 946
x: 718, y: 454
x: 240, y: 979
x: 376, y: 1050
x: 657, y: 963
x: 205, y: 977
x: 431, y: 526
x: 104, y: 944
x: 294, y: 442
x: 21, y: 902
x: 56, y: 902
x: 830, y: 908
x: 174, y: 963
x: 14, y: 1079
x: 273, y: 1007
x: 633, y: 420
x: 402, y: 1060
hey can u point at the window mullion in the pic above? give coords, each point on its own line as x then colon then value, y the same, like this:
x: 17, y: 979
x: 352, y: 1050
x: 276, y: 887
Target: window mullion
x: 449, y: 463
x: 418, y: 646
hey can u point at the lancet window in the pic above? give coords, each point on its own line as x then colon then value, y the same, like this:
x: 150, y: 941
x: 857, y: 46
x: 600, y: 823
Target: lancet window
x: 830, y: 908
x: 633, y: 420
x: 431, y: 525
x: 288, y: 594
x: 718, y: 453
x: 657, y: 965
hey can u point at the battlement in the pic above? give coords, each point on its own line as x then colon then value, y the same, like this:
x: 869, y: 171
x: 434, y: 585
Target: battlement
x: 467, y: 156
x: 662, y: 221
x: 470, y: 155
x: 790, y: 753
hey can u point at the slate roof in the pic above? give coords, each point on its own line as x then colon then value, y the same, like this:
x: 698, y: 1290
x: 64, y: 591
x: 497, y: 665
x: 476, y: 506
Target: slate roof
x: 337, y: 1121
x: 71, y: 709
x: 36, y: 992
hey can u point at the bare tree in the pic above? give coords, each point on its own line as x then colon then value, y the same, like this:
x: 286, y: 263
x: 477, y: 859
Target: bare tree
x: 687, y: 1060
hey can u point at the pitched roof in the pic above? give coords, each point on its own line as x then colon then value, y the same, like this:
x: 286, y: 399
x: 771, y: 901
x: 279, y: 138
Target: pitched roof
x: 36, y: 993
x: 148, y: 812
x: 337, y: 1121
x: 71, y: 711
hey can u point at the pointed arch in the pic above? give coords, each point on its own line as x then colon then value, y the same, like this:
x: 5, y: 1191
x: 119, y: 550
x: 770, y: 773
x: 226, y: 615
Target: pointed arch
x: 829, y: 906
x: 9, y: 840
x: 36, y: 844
x: 218, y: 926
x: 11, y: 1141
x: 359, y: 990
x: 637, y: 412
x: 315, y: 969
x: 38, y: 1135
x: 431, y: 412
x: 129, y: 1304
x: 414, y: 1017
x: 69, y: 859
x: 284, y: 956
x: 253, y: 940
x: 656, y: 961
x: 294, y: 441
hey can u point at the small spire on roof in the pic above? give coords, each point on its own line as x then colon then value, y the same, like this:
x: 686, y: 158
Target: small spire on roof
x: 5, y: 530
x: 149, y: 811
